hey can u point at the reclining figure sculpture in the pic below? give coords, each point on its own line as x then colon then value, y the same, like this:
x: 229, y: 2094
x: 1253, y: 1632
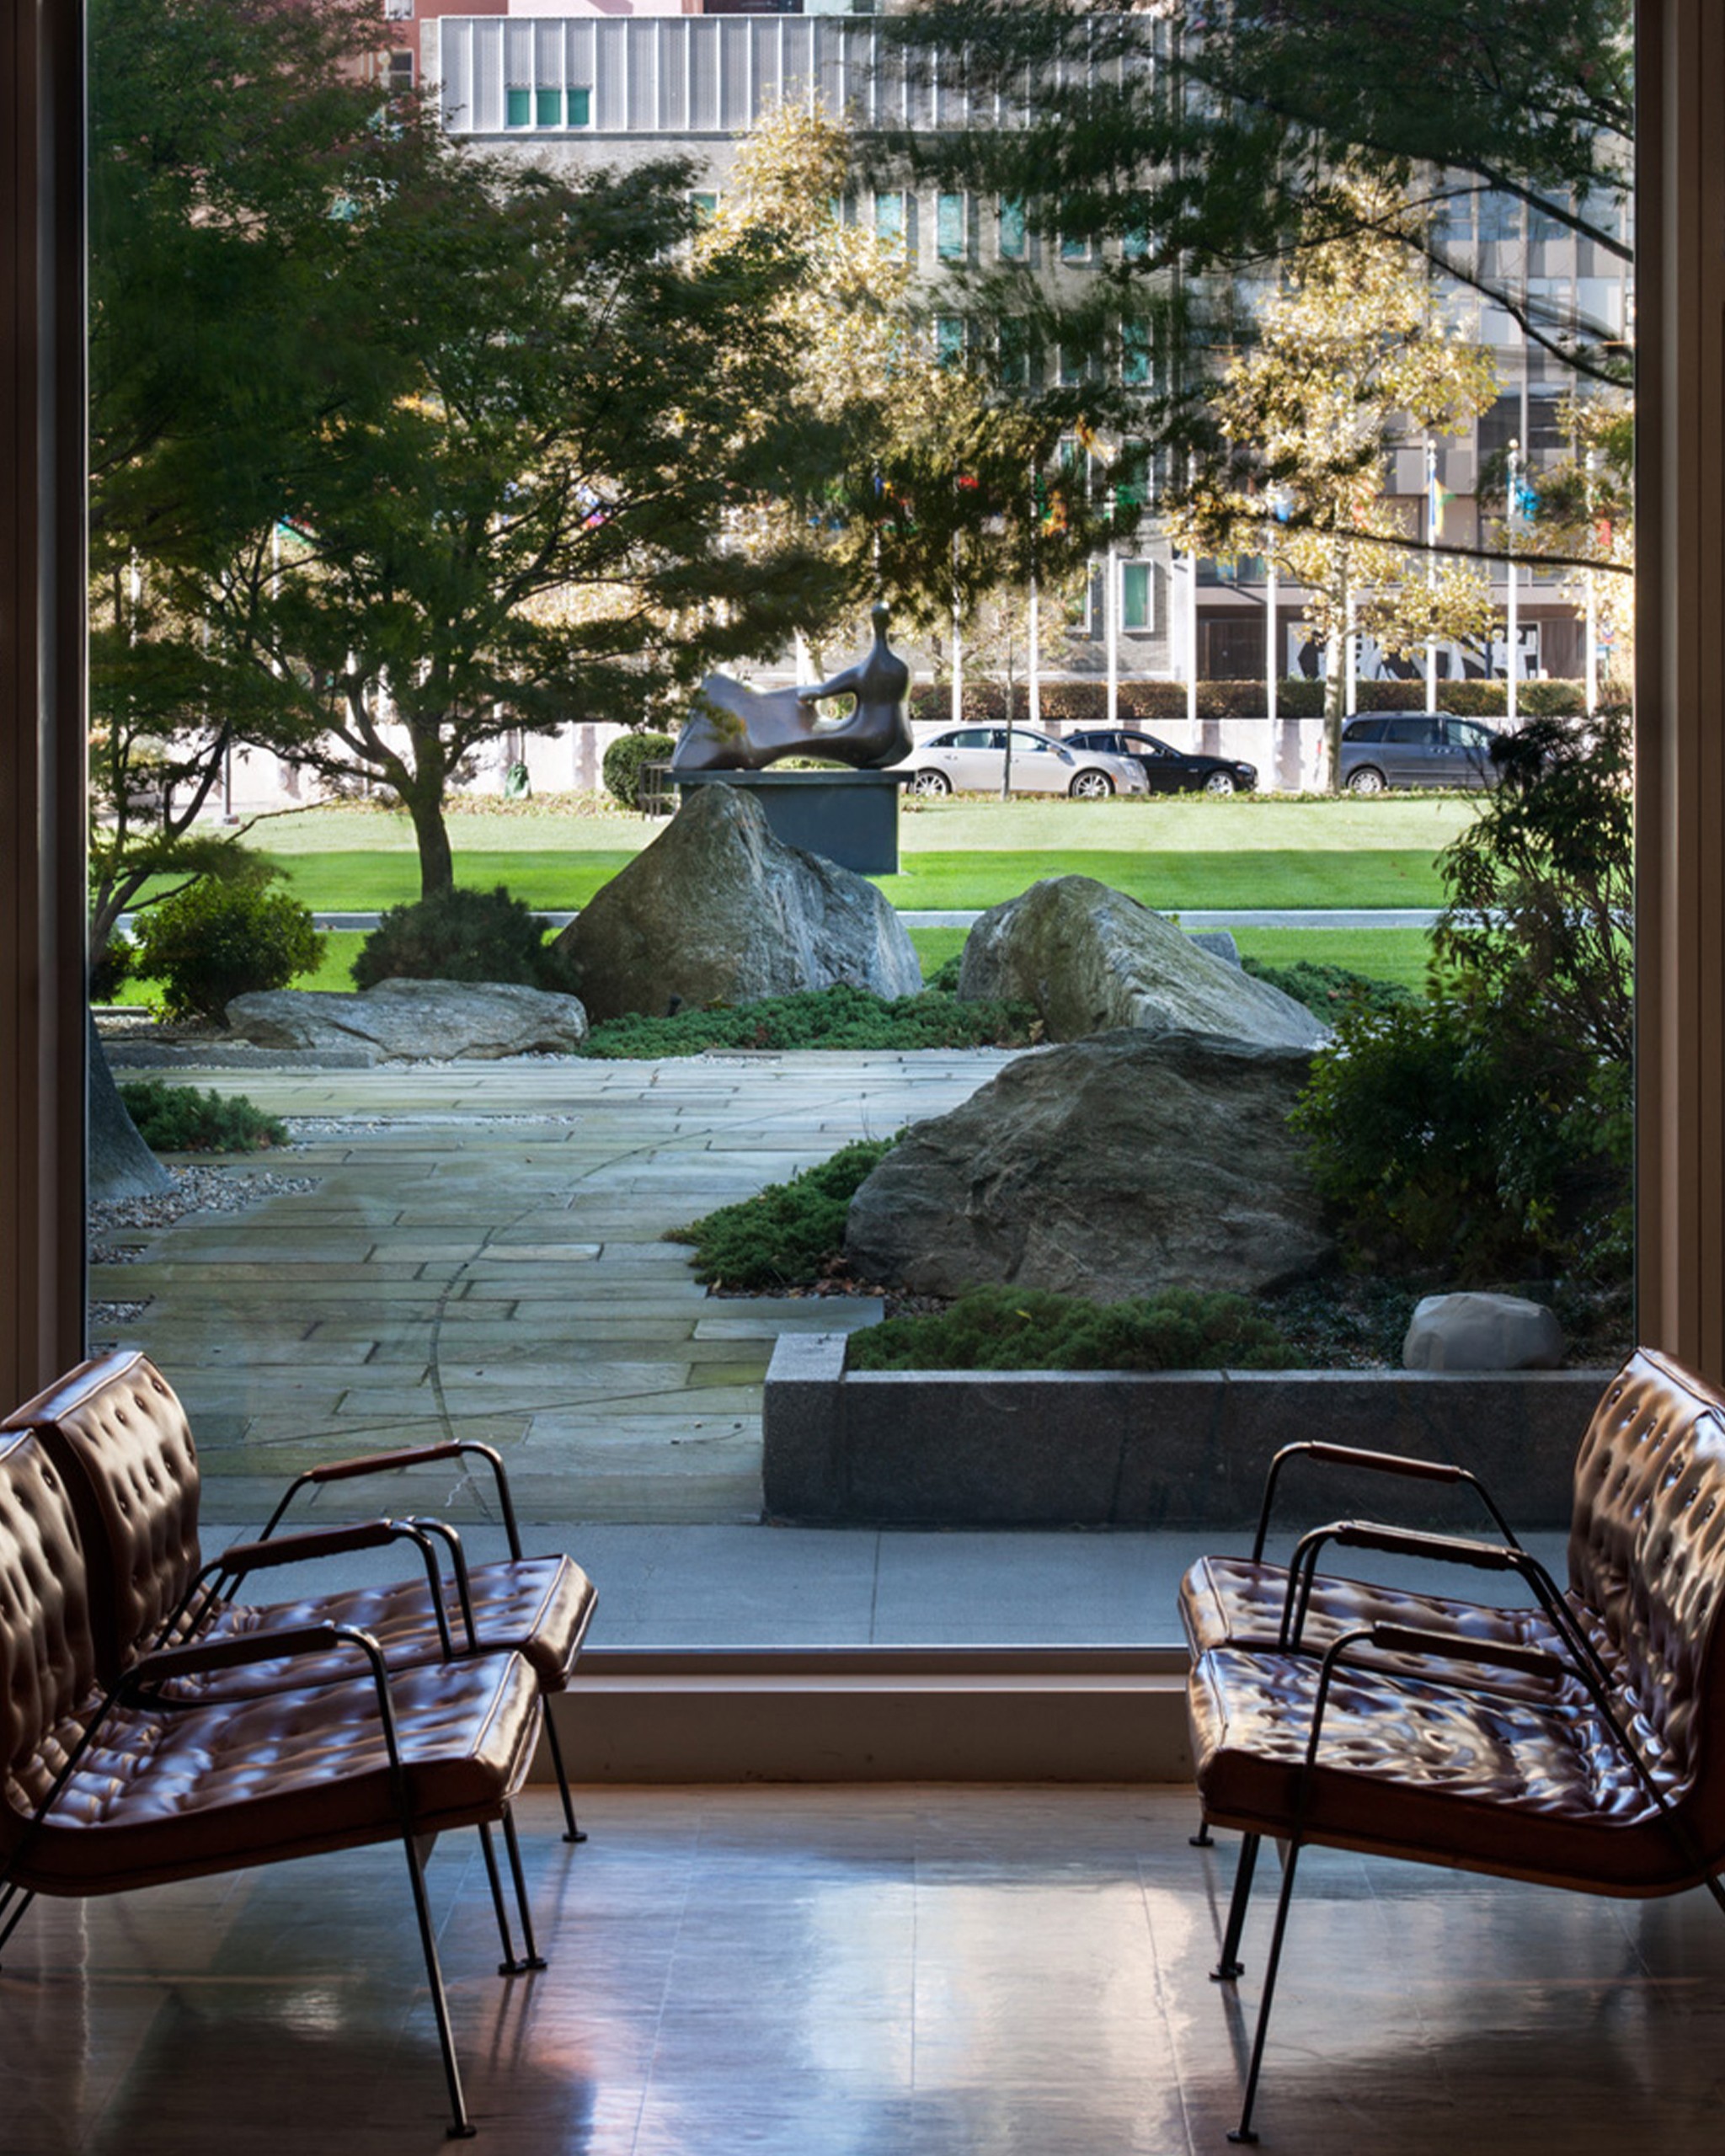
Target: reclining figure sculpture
x: 735, y: 728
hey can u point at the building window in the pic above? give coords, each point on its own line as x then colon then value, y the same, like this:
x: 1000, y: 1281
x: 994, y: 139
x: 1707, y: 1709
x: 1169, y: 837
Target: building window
x: 401, y: 71
x: 517, y: 107
x: 1014, y: 243
x: 1074, y: 247
x: 548, y: 109
x: 581, y: 113
x: 705, y: 202
x: 949, y: 227
x: 890, y: 218
x: 397, y: 11
x: 1013, y: 346
x: 1135, y: 243
x: 1135, y: 354
x: 1134, y: 595
x: 949, y: 339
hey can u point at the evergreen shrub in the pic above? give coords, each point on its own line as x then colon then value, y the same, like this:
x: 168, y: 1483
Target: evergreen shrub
x: 624, y: 761
x: 180, y: 1119
x: 787, y: 1233
x: 1008, y: 1328
x: 465, y: 936
x: 837, y: 1018
x: 216, y: 940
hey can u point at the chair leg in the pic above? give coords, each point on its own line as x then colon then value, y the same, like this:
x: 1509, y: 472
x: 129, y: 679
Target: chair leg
x: 509, y: 1966
x: 1243, y: 2131
x: 14, y: 1903
x: 572, y: 1832
x: 1230, y: 1965
x: 461, y: 2127
x: 532, y: 1959
x: 1203, y: 1839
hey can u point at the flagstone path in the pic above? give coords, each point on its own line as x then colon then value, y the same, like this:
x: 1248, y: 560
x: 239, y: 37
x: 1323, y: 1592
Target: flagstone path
x: 482, y: 1256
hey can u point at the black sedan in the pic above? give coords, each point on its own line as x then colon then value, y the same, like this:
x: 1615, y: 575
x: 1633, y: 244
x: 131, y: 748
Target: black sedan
x: 1166, y: 770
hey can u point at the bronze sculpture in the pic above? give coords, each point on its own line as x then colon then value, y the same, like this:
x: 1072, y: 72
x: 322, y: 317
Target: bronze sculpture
x: 734, y: 728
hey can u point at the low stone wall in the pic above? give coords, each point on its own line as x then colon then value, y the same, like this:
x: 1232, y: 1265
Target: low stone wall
x: 1164, y: 1449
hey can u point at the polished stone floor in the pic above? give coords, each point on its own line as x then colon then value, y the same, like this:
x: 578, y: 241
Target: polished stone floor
x: 843, y: 1972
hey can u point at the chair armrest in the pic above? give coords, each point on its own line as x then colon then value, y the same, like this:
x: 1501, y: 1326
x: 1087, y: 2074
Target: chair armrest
x: 167, y: 1665
x: 216, y: 1578
x: 392, y: 1463
x: 1373, y: 1463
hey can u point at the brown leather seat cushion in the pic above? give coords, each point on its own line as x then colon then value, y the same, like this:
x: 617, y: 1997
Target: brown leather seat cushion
x: 216, y: 1786
x: 539, y: 1608
x: 1521, y: 1788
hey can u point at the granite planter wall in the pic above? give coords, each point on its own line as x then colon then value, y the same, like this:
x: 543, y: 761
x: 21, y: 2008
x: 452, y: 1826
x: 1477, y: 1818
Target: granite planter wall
x: 1163, y: 1449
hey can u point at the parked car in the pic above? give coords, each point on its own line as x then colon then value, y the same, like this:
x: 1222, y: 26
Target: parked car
x: 1416, y: 748
x: 1169, y: 770
x: 973, y: 759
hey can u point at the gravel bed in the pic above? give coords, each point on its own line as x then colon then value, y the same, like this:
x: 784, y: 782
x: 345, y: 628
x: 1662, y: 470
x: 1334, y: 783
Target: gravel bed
x: 195, y: 1190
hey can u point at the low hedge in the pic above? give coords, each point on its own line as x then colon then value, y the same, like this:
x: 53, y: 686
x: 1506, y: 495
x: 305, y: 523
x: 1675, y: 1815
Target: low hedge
x: 1006, y: 1328
x: 839, y: 1017
x: 625, y: 760
x: 789, y: 1233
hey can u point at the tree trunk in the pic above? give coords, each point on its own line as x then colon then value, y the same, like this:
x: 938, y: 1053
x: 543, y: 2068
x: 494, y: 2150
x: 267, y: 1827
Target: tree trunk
x: 120, y: 1164
x: 425, y: 805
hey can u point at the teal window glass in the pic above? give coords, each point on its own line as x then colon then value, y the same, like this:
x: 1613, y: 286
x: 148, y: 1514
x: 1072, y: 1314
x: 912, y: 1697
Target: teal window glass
x: 1012, y: 237
x: 1134, y: 244
x: 1074, y: 249
x: 581, y: 108
x: 1135, y: 354
x: 889, y: 217
x: 706, y: 202
x: 949, y: 339
x: 1013, y: 346
x: 949, y: 226
x: 548, y: 109
x: 518, y: 109
x: 1135, y: 595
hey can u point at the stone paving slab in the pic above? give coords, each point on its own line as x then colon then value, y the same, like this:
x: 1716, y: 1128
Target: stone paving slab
x: 483, y: 1256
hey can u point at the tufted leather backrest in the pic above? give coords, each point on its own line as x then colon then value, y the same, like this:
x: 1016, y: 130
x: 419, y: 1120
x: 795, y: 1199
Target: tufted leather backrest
x: 47, y: 1659
x: 120, y: 1438
x: 1647, y: 1549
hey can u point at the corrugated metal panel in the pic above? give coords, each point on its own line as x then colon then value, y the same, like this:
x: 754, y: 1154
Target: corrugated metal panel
x: 452, y: 55
x: 487, y: 76
x: 641, y: 42
x: 797, y: 34
x: 735, y: 36
x: 703, y: 33
x: 675, y: 47
x: 766, y: 42
x: 547, y: 55
x: 611, y: 110
x: 581, y: 61
x: 830, y: 34
x: 518, y: 54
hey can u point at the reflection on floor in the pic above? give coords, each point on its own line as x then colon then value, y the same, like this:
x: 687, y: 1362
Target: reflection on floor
x: 898, y: 1971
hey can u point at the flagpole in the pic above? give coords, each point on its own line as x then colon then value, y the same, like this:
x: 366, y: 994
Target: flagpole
x: 1431, y: 566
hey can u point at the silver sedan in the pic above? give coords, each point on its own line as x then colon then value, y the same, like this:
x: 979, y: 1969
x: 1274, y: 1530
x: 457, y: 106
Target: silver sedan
x: 973, y: 760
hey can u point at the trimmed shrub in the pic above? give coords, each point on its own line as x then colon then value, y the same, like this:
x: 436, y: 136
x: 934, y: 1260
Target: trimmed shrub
x: 842, y: 1016
x: 624, y: 759
x: 214, y: 941
x: 180, y: 1119
x: 787, y: 1233
x: 470, y: 936
x: 1006, y: 1328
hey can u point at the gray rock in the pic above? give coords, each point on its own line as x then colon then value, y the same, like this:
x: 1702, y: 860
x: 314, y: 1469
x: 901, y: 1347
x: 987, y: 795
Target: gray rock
x: 415, y: 1020
x: 1116, y: 1166
x: 1483, y: 1333
x: 1218, y: 942
x: 718, y: 910
x: 1093, y: 960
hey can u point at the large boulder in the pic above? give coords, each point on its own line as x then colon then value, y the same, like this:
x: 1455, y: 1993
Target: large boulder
x: 718, y: 910
x: 1092, y: 960
x: 415, y: 1020
x: 1114, y: 1166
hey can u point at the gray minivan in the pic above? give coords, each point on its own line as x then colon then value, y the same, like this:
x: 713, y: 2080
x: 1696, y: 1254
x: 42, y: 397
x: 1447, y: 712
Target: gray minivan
x: 1416, y: 748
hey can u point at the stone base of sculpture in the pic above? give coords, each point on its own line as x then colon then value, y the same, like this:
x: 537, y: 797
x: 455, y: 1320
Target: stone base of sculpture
x: 851, y: 818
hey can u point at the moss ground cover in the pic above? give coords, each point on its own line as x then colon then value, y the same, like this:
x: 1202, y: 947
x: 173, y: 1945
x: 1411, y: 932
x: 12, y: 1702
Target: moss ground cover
x: 788, y: 1233
x: 840, y: 1018
x: 1005, y: 1328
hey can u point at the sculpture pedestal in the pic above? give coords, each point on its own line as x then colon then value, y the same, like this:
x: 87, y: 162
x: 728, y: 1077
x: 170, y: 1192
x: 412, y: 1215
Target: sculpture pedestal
x: 849, y: 817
